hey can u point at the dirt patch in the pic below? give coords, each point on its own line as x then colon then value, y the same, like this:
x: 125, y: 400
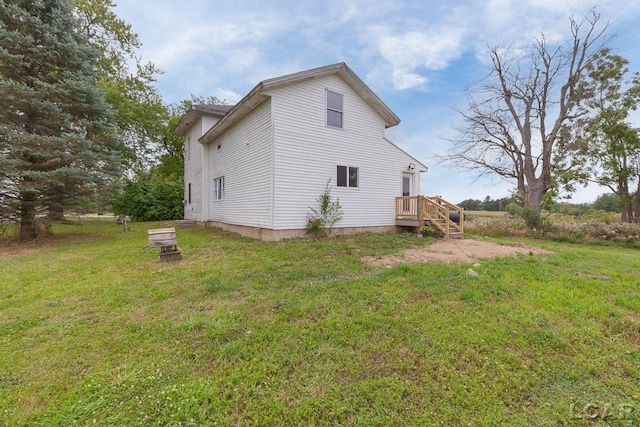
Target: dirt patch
x: 454, y: 251
x: 12, y: 248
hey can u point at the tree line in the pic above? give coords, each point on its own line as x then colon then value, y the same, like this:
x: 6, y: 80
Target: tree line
x: 82, y: 125
x: 608, y: 202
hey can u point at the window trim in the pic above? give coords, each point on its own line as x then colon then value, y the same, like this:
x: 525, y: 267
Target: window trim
x: 218, y: 189
x: 347, y: 178
x: 334, y: 110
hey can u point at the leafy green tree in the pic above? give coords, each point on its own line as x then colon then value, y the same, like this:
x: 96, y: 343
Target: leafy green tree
x: 139, y: 111
x: 609, y: 202
x: 149, y: 198
x: 56, y: 141
x: 471, y: 204
x: 605, y: 145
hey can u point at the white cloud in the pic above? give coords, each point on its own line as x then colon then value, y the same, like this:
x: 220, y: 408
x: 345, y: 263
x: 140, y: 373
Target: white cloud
x: 205, y: 40
x: 410, y: 52
x: 228, y: 96
x: 405, y: 79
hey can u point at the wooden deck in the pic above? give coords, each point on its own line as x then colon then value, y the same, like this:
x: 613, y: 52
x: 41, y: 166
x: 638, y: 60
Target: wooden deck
x: 417, y: 211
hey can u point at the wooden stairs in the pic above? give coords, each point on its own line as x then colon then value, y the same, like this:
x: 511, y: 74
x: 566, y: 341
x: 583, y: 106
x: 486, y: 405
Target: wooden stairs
x: 418, y: 211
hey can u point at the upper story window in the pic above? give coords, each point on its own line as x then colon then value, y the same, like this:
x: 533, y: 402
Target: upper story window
x: 334, y: 110
x: 188, y: 148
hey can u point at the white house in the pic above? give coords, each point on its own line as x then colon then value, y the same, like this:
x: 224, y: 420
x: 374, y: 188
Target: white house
x: 257, y: 167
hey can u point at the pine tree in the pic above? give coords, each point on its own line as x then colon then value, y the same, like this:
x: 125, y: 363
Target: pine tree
x: 56, y: 143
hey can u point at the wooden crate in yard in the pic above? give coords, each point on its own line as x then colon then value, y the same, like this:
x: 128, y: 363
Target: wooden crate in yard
x: 165, y: 239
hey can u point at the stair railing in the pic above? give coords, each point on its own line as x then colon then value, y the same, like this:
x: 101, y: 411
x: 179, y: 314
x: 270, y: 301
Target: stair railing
x: 436, y: 214
x: 435, y: 209
x: 450, y: 207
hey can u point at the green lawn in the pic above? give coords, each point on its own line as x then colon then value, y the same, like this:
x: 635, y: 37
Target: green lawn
x: 301, y: 332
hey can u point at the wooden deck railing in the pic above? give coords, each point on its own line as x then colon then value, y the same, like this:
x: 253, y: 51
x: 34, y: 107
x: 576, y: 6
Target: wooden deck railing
x: 435, y: 209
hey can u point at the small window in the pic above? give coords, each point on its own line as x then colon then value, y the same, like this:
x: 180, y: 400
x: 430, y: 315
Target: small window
x: 347, y: 176
x: 188, y: 148
x: 218, y: 188
x: 189, y: 193
x: 334, y: 110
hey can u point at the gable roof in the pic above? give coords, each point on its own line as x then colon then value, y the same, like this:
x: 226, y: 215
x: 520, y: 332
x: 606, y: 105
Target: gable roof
x: 257, y: 96
x: 198, y: 110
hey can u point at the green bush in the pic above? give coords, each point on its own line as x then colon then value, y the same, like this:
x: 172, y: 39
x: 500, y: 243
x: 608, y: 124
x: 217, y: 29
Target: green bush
x: 515, y: 209
x: 429, y: 231
x: 320, y: 221
x: 148, y: 199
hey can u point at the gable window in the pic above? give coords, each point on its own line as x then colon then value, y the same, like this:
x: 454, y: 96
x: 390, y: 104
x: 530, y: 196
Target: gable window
x: 347, y: 176
x: 218, y: 188
x: 188, y: 148
x: 334, y: 110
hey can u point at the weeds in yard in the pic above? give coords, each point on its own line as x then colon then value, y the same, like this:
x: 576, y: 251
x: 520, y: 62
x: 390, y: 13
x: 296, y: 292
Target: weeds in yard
x: 586, y: 229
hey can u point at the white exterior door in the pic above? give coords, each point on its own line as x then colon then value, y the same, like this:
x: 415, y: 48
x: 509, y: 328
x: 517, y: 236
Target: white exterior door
x: 407, y: 184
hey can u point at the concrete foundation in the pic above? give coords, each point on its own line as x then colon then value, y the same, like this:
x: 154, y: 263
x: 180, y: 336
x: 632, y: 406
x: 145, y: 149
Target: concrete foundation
x: 276, y: 235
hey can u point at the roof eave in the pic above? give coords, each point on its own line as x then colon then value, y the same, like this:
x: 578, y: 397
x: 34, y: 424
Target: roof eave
x: 190, y: 117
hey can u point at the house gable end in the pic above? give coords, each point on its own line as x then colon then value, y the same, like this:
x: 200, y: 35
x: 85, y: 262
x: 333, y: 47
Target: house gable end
x: 257, y: 96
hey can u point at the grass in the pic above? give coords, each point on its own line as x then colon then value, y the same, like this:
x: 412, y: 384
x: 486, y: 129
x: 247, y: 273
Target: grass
x: 301, y: 332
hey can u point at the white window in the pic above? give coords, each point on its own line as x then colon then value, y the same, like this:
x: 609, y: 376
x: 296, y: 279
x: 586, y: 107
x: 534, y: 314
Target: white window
x: 218, y: 188
x: 334, y: 110
x: 347, y: 176
x: 188, y: 147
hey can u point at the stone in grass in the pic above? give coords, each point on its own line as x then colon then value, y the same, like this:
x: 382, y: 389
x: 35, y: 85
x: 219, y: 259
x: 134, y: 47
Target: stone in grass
x: 472, y: 272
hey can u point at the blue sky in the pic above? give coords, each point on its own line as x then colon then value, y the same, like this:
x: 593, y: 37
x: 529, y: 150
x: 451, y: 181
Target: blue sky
x: 418, y: 56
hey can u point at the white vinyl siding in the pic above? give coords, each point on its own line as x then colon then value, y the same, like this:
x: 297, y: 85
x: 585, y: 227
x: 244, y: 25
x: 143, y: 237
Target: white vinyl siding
x: 244, y: 160
x: 193, y: 168
x: 193, y: 173
x: 307, y: 151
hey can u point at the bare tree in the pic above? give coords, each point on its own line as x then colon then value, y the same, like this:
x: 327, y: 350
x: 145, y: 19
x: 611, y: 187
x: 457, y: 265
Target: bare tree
x: 517, y: 114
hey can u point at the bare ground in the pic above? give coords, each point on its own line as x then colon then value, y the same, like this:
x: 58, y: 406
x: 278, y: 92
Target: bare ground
x: 454, y: 251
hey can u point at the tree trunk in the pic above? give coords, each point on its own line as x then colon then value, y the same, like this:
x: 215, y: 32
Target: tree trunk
x: 626, y: 206
x: 56, y: 212
x: 636, y: 198
x: 626, y: 209
x: 28, y: 230
x: 533, y: 206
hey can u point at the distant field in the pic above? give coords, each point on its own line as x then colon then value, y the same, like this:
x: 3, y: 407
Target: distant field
x: 486, y: 213
x: 94, y: 331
